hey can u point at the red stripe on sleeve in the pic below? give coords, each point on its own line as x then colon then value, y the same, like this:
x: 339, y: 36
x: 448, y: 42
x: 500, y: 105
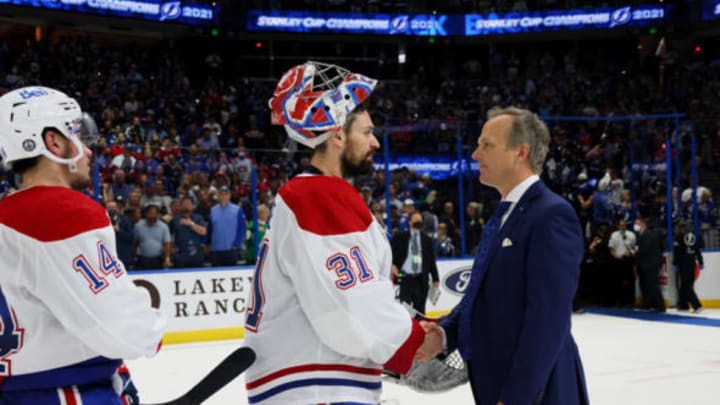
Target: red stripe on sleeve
x: 402, y: 360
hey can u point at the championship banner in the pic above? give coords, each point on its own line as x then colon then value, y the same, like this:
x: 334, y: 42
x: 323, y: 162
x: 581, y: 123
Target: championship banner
x: 456, y: 24
x: 154, y: 10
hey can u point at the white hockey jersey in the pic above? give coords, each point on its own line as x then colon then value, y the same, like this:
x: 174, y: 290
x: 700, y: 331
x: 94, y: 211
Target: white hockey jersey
x: 323, y: 318
x: 68, y: 310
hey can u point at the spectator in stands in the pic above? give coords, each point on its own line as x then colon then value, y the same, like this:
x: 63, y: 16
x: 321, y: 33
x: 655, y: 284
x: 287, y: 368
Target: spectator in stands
x: 708, y: 217
x: 583, y: 201
x: 208, y: 142
x: 226, y: 231
x: 156, y: 194
x: 119, y: 186
x: 379, y: 212
x: 152, y: 240
x: 188, y: 230
x: 602, y: 211
x: 626, y: 209
x: 134, y: 199
x: 366, y: 192
x: 124, y: 236
x: 473, y: 225
x: 263, y: 213
x: 445, y: 246
x: 448, y: 216
x: 408, y: 209
x: 204, y: 202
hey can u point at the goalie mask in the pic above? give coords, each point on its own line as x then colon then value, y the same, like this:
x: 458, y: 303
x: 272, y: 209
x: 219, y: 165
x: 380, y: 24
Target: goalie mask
x: 25, y: 115
x: 313, y: 100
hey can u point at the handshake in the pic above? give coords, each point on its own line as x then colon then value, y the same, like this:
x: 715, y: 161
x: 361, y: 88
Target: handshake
x: 432, y: 372
x: 432, y: 344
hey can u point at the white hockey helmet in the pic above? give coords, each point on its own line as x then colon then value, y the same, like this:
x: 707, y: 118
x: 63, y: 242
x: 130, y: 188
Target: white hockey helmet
x: 313, y: 100
x: 26, y: 113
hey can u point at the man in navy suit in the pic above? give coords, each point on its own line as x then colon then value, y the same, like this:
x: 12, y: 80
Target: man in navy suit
x: 513, y: 325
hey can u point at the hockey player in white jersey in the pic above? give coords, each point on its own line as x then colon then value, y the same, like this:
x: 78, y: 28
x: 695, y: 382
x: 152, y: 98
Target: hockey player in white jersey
x: 69, y: 312
x: 323, y: 319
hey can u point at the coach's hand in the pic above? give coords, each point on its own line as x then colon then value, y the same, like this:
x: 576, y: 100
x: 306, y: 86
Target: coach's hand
x: 433, y: 343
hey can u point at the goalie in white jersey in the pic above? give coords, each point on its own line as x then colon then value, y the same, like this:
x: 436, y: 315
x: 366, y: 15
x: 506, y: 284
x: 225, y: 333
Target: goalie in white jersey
x: 69, y: 312
x: 323, y: 319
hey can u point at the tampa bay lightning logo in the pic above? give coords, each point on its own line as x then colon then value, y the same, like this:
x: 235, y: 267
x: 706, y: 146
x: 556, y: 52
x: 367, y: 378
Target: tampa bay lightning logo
x: 399, y: 24
x: 170, y: 11
x: 620, y: 16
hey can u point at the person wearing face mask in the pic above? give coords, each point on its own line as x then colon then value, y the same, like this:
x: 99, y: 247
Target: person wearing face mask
x: 414, y: 263
x: 649, y: 260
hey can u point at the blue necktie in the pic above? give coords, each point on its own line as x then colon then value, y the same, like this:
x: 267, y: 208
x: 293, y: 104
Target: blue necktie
x: 466, y: 305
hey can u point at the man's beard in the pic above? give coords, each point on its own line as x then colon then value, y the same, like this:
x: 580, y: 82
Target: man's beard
x: 353, y: 169
x: 78, y: 182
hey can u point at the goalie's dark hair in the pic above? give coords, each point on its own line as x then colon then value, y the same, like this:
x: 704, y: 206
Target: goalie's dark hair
x: 21, y: 166
x: 361, y: 108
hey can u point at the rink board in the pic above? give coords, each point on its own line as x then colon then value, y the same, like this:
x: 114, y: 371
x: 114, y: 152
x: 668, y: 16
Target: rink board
x: 210, y: 304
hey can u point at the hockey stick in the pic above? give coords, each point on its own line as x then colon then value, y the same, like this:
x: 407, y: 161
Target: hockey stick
x: 232, y: 366
x: 419, y: 315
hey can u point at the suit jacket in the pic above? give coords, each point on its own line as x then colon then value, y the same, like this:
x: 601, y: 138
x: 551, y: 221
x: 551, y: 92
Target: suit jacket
x: 522, y: 351
x: 400, y: 245
x: 650, y: 250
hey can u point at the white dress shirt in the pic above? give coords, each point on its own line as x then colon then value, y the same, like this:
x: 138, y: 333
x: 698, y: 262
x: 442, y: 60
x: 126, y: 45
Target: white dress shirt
x: 516, y: 194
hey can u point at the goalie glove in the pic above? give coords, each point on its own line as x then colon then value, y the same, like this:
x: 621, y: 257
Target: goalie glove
x: 437, y: 375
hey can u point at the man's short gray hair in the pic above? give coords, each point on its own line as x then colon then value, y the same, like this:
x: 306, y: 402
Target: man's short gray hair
x: 526, y: 127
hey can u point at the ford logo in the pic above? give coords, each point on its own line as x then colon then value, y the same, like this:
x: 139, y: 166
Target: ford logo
x: 457, y: 280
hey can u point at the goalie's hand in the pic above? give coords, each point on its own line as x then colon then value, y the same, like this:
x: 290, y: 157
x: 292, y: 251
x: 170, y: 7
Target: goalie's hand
x: 432, y: 344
